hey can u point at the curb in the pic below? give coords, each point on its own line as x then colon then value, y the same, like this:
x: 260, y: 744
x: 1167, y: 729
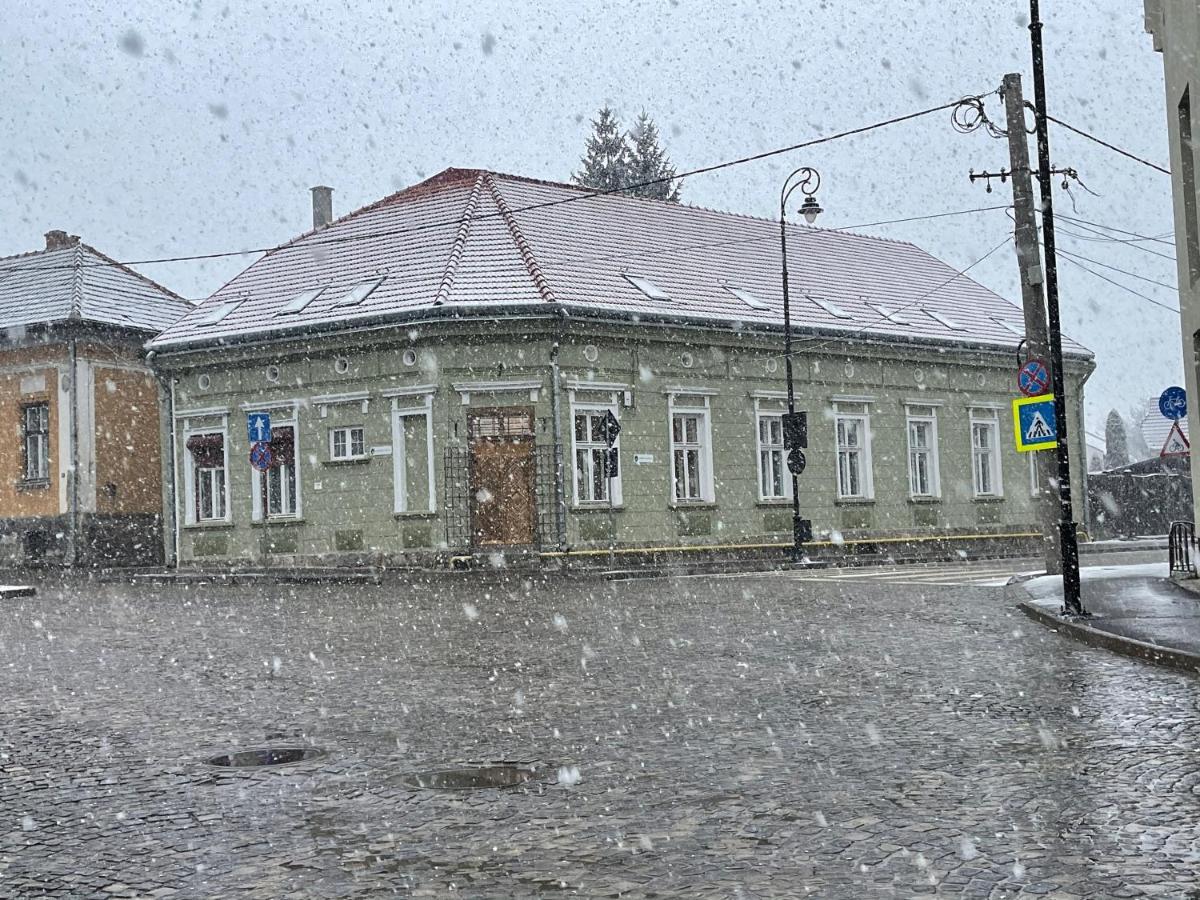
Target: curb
x: 17, y: 590
x: 1152, y: 653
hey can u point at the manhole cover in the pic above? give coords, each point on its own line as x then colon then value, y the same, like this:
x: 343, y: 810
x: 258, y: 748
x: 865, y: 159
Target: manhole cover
x: 268, y: 756
x: 472, y: 778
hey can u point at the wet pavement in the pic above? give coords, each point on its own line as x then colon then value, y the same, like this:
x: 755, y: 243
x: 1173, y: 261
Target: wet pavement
x: 761, y: 737
x: 1138, y: 603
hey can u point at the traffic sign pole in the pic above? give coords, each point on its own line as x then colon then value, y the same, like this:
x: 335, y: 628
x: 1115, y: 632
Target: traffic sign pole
x: 1068, y: 539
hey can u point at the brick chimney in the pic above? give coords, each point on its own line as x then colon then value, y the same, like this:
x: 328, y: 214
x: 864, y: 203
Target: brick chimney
x: 60, y: 240
x: 322, y: 198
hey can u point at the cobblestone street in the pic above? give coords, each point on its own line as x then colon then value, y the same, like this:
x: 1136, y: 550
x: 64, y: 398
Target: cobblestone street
x: 734, y: 738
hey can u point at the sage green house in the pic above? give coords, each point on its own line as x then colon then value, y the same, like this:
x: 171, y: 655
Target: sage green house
x: 438, y: 368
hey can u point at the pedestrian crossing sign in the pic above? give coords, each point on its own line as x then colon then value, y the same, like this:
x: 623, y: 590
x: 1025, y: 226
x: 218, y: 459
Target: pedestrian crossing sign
x: 1034, y: 423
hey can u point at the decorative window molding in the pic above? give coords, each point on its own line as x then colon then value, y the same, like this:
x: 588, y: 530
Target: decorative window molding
x: 986, y: 474
x: 288, y: 406
x: 202, y: 412
x: 403, y: 450
x: 924, y: 464
x: 852, y: 438
x: 413, y: 390
x: 206, y: 474
x: 851, y: 398
x: 774, y: 479
x: 690, y: 433
x: 768, y: 395
x: 276, y: 493
x: 467, y: 388
x: 695, y: 391
x: 323, y: 402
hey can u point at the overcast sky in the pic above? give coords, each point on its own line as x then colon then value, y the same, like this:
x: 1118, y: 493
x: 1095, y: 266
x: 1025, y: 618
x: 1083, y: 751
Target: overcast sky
x: 167, y: 128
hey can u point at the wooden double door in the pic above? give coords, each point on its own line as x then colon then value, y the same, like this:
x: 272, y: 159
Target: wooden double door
x: 503, y: 477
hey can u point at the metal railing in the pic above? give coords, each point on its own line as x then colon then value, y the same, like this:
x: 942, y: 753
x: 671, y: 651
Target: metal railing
x: 1181, y: 541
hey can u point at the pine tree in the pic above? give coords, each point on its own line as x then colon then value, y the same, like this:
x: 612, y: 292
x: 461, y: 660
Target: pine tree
x: 606, y: 163
x: 1116, y: 450
x: 648, y: 162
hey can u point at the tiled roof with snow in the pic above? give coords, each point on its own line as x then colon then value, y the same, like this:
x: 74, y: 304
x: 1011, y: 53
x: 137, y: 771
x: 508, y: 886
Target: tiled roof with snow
x: 78, y: 283
x: 473, y: 239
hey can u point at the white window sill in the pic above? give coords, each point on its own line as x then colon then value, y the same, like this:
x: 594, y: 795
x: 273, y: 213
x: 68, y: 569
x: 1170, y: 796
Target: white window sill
x: 988, y: 498
x: 854, y: 501
x: 204, y: 524
x: 278, y: 520
x: 596, y: 506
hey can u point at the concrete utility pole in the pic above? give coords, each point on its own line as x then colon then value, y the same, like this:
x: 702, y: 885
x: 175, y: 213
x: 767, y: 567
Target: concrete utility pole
x: 1029, y: 260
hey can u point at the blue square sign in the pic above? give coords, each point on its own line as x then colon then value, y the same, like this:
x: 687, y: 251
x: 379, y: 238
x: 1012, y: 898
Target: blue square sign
x: 1034, y: 423
x: 258, y: 426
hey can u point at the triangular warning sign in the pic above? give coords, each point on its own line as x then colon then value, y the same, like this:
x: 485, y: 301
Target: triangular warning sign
x: 1176, y: 443
x: 1038, y: 430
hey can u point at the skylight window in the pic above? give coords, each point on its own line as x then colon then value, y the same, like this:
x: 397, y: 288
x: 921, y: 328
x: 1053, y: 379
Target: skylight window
x: 647, y: 287
x: 1010, y: 327
x: 943, y: 319
x: 361, y: 292
x: 890, y: 314
x: 748, y: 298
x: 832, y: 308
x: 219, y: 312
x: 301, y: 301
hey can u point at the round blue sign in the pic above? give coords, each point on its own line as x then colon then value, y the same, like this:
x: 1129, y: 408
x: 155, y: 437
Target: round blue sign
x: 1173, y: 403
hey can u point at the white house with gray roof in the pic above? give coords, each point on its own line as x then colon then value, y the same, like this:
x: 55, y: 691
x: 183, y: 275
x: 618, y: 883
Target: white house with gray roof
x: 436, y: 368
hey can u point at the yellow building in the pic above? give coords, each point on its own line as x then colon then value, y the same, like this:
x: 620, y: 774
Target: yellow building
x: 80, y: 464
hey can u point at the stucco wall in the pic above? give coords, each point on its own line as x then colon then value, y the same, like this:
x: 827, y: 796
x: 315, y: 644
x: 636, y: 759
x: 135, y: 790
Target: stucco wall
x: 347, y: 508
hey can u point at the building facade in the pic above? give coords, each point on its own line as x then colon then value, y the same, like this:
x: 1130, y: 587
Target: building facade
x: 1175, y: 26
x: 438, y: 367
x: 80, y: 459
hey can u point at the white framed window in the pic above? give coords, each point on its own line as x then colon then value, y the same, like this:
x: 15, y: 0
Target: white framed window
x: 35, y: 428
x: 206, y: 476
x: 774, y: 479
x: 347, y: 443
x: 589, y: 451
x: 985, y: 453
x: 276, y: 493
x: 691, y: 450
x: 414, y: 490
x: 852, y: 425
x: 924, y: 470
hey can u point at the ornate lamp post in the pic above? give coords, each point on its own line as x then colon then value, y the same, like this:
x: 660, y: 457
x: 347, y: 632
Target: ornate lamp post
x: 795, y: 426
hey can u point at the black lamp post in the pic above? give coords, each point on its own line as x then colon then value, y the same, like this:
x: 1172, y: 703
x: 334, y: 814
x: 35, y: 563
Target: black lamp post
x: 808, y: 180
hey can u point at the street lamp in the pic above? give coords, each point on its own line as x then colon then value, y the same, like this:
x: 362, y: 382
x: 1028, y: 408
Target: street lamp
x: 795, y: 426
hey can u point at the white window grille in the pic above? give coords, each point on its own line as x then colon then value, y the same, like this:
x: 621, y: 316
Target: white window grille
x: 347, y: 443
x: 923, y: 463
x: 691, y: 452
x: 774, y: 479
x: 206, y: 473
x: 985, y: 453
x: 854, y: 475
x: 589, y: 451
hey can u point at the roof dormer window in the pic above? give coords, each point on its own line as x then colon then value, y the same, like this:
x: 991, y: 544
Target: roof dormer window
x: 748, y: 298
x: 301, y: 301
x: 361, y: 292
x: 647, y: 287
x: 890, y: 314
x: 218, y: 312
x: 832, y: 308
x: 944, y: 320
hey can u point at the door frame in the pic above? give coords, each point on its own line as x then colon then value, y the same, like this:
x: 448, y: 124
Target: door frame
x: 527, y: 438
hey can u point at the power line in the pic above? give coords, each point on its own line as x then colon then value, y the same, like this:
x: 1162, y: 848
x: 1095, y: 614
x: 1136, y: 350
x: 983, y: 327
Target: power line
x: 1068, y: 258
x: 1134, y: 234
x: 1130, y: 243
x: 1096, y: 262
x: 703, y: 170
x: 762, y: 239
x: 1102, y: 143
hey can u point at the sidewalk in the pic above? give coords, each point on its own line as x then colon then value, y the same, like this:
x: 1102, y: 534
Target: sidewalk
x: 1135, y: 610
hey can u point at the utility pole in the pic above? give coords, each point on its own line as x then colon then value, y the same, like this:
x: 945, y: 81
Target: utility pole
x: 1068, y: 540
x: 1029, y: 261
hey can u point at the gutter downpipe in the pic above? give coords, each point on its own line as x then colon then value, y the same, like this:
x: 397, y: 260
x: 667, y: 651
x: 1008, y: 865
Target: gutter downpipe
x: 73, y: 400
x: 560, y: 510
x: 173, y: 481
